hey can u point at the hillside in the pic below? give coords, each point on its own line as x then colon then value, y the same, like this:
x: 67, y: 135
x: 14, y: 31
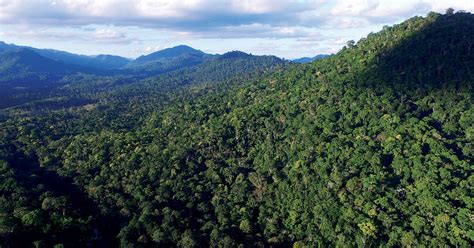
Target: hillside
x: 24, y: 75
x: 168, y: 53
x: 24, y: 70
x: 168, y: 60
x: 27, y: 61
x: 370, y: 147
x: 312, y: 59
x: 27, y: 76
x: 98, y: 62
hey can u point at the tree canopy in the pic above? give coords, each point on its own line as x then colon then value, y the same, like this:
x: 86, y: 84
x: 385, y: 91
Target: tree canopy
x: 372, y: 146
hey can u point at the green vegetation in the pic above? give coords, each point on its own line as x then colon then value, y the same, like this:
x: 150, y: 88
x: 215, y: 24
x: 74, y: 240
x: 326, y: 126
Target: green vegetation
x: 370, y: 147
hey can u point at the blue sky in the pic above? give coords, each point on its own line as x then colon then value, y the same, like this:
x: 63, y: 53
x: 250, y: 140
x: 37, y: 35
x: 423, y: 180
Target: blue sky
x: 286, y: 28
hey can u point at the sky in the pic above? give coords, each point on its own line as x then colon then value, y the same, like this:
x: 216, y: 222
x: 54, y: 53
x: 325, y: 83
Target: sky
x: 130, y: 28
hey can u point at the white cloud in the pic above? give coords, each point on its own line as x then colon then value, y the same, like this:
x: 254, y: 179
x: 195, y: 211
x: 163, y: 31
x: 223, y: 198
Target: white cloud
x: 348, y: 22
x: 358, y: 13
x: 150, y: 49
x: 167, y: 9
x: 306, y: 23
x: 255, y: 30
x: 258, y: 7
x: 158, y: 13
x: 101, y: 35
x: 219, y: 18
x: 442, y: 5
x: 108, y: 34
x: 213, y: 16
x: 354, y: 7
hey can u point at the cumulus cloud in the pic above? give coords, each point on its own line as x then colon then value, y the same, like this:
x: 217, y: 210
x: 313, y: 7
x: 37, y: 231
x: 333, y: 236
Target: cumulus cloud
x: 357, y: 13
x: 150, y: 13
x: 215, y: 16
x: 255, y: 30
x: 354, y: 7
x: 442, y: 5
x: 185, y: 18
x: 107, y: 35
x: 307, y: 23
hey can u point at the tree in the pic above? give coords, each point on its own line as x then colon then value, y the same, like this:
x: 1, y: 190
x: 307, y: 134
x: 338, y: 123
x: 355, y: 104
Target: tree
x: 245, y: 226
x: 33, y: 218
x: 450, y: 11
x: 350, y: 44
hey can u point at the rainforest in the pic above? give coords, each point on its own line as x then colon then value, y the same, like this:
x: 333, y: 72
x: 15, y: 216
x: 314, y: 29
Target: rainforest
x: 370, y: 147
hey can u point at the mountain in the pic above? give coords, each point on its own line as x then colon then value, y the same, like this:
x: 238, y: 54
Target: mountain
x: 102, y: 62
x: 4, y: 47
x: 168, y: 53
x: 37, y: 78
x: 234, y: 54
x: 370, y: 147
x: 308, y: 59
x: 168, y: 59
x: 108, y: 61
x: 26, y: 61
x: 24, y: 73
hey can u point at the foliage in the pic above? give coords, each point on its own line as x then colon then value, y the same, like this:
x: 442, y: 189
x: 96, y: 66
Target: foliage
x: 370, y: 147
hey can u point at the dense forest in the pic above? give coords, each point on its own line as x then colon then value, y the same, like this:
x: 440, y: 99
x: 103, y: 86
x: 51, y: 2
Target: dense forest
x: 370, y: 147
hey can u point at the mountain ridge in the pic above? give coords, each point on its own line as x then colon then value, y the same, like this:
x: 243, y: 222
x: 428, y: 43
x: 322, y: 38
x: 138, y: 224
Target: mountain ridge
x: 101, y: 61
x: 169, y: 52
x: 310, y: 59
x: 25, y: 60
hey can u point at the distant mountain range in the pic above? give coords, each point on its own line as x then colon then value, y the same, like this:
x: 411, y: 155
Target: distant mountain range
x: 24, y: 60
x: 103, y: 61
x: 28, y: 61
x: 29, y: 70
x: 168, y: 59
x: 29, y: 65
x: 308, y: 59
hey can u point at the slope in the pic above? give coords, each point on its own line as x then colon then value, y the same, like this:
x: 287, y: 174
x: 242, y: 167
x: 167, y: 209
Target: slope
x: 168, y: 53
x: 356, y: 149
x: 312, y: 59
x: 27, y: 61
x: 102, y: 61
x: 117, y: 106
x: 24, y: 72
x: 168, y: 60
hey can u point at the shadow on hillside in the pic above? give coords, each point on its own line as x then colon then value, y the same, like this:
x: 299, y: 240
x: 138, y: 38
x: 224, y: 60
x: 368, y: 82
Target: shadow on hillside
x: 30, y: 175
x: 440, y: 55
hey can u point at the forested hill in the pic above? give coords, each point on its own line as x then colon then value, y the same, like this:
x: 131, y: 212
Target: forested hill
x: 308, y: 59
x: 370, y: 147
x: 103, y: 61
x: 37, y: 83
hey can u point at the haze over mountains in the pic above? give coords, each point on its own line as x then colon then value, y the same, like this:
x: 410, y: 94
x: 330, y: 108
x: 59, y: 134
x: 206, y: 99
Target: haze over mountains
x: 164, y: 60
x: 103, y: 61
x: 26, y: 69
x: 308, y: 59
